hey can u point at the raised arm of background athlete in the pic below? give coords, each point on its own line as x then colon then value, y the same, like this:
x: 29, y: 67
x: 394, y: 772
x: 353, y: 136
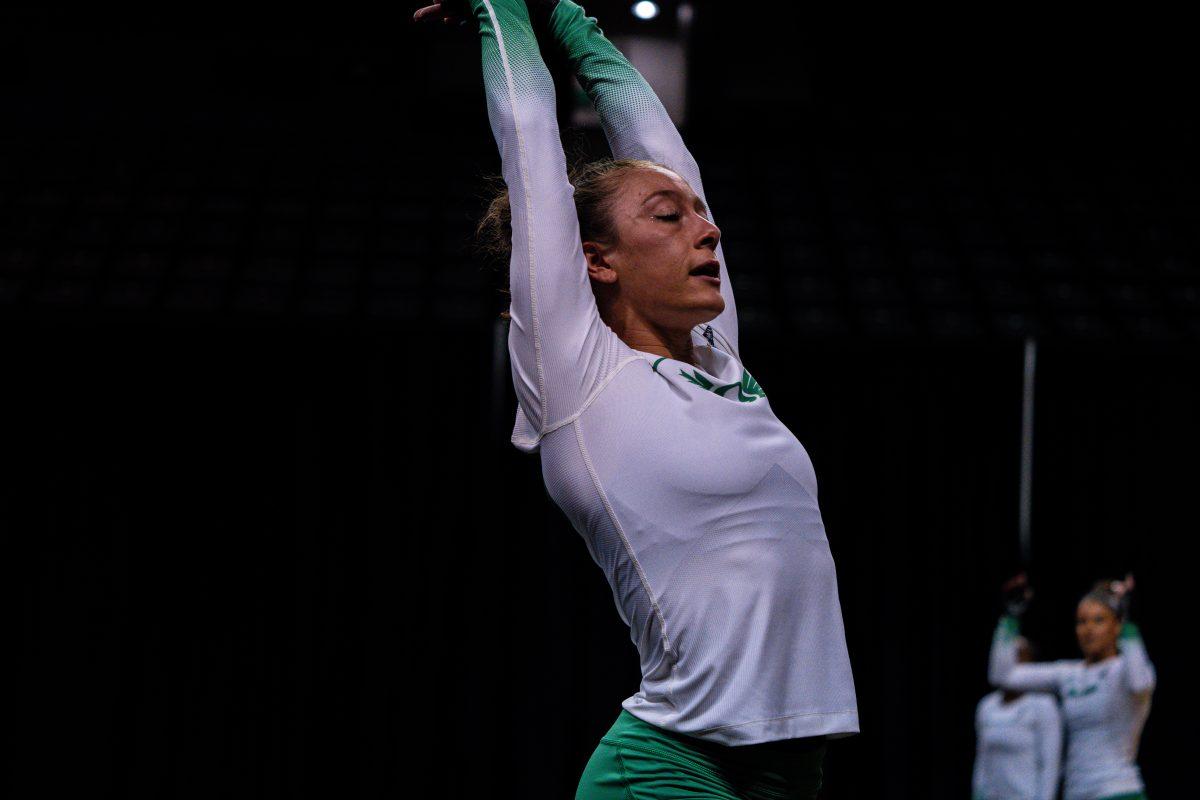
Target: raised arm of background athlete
x: 1005, y: 672
x: 559, y: 346
x: 1139, y: 672
x: 634, y: 121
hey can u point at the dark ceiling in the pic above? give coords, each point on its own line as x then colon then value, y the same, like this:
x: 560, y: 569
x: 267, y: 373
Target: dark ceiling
x: 898, y: 176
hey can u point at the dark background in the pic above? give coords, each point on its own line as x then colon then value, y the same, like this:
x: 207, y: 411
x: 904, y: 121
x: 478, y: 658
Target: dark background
x: 264, y: 532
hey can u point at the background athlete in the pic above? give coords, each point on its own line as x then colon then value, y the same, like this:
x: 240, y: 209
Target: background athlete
x: 1018, y: 739
x: 1105, y: 696
x: 660, y: 447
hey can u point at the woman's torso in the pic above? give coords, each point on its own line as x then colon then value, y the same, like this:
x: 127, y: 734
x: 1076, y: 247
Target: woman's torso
x: 701, y: 508
x: 1104, y: 723
x: 1008, y: 746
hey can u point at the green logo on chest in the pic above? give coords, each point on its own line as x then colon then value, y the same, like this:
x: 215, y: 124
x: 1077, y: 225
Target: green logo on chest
x: 748, y: 389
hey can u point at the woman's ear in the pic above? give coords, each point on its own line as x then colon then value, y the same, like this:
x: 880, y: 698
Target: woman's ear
x: 598, y: 267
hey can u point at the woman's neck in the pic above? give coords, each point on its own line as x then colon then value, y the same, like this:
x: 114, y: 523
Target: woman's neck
x: 650, y: 338
x: 1111, y: 652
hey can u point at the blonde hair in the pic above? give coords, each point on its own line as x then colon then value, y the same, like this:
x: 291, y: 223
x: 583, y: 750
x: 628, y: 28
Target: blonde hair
x: 596, y: 184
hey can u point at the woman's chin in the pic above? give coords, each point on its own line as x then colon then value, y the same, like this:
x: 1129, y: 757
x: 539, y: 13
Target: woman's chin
x: 696, y: 309
x: 710, y: 305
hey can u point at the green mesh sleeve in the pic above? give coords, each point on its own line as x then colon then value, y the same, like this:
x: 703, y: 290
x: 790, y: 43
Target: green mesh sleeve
x: 634, y: 121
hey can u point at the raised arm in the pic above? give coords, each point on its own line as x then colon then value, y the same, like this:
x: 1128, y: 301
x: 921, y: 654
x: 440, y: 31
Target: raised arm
x: 1139, y: 672
x: 635, y: 122
x: 558, y: 344
x: 1049, y: 736
x: 1004, y: 671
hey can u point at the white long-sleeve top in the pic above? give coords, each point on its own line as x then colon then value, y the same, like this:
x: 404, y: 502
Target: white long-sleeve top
x: 696, y: 501
x: 1104, y: 707
x: 1018, y: 747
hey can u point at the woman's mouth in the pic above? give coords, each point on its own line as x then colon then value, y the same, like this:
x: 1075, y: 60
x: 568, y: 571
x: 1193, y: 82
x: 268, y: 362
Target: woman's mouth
x: 709, y: 271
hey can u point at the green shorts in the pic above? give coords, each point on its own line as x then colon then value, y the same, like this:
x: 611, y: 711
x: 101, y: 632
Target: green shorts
x: 639, y: 761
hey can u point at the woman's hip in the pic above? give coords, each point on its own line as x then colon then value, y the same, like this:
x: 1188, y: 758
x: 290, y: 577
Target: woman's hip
x: 645, y: 762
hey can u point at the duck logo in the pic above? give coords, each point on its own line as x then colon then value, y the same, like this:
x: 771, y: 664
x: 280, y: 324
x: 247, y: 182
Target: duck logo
x: 748, y: 389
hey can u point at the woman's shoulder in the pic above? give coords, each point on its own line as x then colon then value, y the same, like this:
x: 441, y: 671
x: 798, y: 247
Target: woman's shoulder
x: 988, y: 700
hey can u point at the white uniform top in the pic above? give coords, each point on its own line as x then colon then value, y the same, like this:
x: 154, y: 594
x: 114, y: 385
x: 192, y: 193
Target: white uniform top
x: 1018, y: 748
x: 696, y: 501
x: 1104, y: 707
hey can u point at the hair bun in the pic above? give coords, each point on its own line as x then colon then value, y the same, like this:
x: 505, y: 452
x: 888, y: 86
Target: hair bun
x: 1110, y: 594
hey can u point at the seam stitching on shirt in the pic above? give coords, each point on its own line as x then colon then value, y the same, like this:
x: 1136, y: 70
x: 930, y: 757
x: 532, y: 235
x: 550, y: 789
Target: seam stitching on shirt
x: 773, y: 719
x: 671, y: 682
x: 523, y: 164
x: 592, y: 397
x: 587, y: 461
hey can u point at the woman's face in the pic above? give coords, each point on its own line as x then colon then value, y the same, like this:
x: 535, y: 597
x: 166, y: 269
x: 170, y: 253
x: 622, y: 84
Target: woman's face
x: 1097, y: 628
x: 663, y: 264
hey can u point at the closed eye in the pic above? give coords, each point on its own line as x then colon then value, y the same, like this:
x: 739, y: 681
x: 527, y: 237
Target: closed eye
x: 672, y: 217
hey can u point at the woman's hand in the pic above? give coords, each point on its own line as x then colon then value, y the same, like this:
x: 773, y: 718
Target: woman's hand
x: 1123, y: 588
x: 1017, y: 594
x: 448, y: 11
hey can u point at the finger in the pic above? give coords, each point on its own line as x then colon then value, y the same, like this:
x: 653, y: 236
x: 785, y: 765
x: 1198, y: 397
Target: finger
x: 428, y: 12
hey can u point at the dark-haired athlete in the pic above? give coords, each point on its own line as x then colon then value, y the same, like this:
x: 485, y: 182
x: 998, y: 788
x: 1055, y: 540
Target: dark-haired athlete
x: 1018, y: 743
x: 696, y: 501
